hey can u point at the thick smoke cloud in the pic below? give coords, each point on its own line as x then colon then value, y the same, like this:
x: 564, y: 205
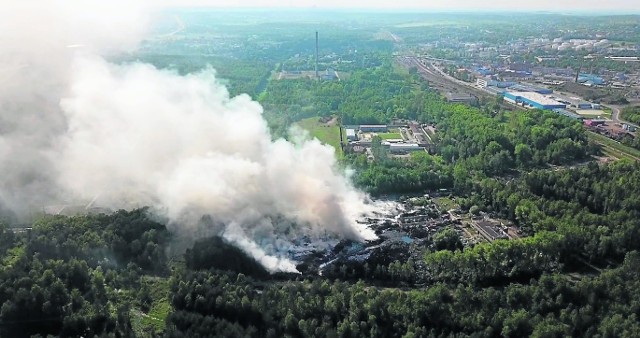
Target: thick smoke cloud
x: 78, y: 128
x: 38, y: 41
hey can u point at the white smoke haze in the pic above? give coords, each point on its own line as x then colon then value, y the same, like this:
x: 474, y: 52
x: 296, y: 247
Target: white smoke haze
x: 75, y: 127
x: 35, y: 66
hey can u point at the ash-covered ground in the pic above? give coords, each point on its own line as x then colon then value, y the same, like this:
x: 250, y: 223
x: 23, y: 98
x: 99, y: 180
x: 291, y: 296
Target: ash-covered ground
x: 404, y: 233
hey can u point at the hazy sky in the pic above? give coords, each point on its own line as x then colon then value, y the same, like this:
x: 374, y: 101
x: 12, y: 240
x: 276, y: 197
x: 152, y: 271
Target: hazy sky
x: 452, y: 5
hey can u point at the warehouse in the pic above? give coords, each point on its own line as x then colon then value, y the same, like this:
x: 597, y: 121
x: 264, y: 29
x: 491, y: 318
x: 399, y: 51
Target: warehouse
x: 590, y: 79
x: 529, y: 88
x: 568, y: 113
x: 532, y: 100
x: 396, y: 148
x: 373, y: 128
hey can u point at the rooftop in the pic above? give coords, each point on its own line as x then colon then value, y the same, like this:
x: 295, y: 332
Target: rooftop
x: 405, y: 145
x: 567, y: 113
x: 525, y: 88
x: 539, y: 98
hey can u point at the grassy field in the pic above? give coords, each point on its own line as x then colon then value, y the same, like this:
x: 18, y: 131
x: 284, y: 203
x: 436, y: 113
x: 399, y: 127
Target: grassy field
x: 12, y: 256
x: 446, y: 203
x: 613, y: 148
x: 153, y: 322
x: 326, y: 134
x: 388, y: 136
x: 595, y: 113
x: 631, y: 114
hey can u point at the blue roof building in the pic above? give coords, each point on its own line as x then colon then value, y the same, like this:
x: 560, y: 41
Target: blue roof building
x: 591, y: 79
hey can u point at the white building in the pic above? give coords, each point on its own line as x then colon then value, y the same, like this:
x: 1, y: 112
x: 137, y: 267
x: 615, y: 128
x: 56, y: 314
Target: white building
x: 351, y: 135
x: 482, y: 83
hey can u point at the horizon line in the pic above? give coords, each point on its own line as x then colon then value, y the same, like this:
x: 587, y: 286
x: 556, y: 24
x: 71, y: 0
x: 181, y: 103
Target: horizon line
x: 416, y: 10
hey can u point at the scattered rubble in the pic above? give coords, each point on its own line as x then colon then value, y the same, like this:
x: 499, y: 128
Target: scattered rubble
x: 404, y: 234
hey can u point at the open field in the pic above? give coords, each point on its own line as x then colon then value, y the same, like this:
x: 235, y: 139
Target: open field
x: 12, y: 256
x: 326, y: 134
x: 594, y: 113
x: 153, y: 322
x: 631, y: 114
x: 390, y: 136
x: 445, y: 203
x: 309, y: 74
x: 613, y: 148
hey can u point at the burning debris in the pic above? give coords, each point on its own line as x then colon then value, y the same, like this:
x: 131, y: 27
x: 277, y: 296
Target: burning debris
x: 404, y: 232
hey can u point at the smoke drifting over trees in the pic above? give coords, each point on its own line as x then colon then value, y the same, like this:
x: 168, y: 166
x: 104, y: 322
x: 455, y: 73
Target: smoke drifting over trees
x: 74, y: 126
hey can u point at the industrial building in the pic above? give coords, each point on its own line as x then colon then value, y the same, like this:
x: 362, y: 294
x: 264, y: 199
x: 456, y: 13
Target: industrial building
x: 351, y: 135
x: 594, y: 123
x: 590, y: 79
x: 373, y: 128
x: 396, y: 148
x: 329, y: 74
x: 584, y: 105
x: 532, y: 100
x: 484, y: 71
x: 546, y: 58
x: 482, y: 83
x: 501, y: 84
x: 568, y: 113
x: 576, y: 102
x: 528, y: 88
x: 489, y: 230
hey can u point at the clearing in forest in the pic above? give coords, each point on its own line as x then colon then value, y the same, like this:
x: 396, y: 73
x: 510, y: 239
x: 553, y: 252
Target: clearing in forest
x: 326, y: 133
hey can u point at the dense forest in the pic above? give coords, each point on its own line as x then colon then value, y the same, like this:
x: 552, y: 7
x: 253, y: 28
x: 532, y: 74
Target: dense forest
x: 78, y: 276
x: 631, y: 114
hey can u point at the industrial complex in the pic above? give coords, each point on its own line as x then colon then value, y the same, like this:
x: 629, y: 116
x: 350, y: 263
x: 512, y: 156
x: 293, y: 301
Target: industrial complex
x: 532, y: 100
x: 329, y: 73
x: 398, y: 139
x: 537, y: 97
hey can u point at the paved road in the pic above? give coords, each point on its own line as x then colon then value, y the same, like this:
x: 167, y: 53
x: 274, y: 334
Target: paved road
x: 615, y: 110
x: 615, y: 113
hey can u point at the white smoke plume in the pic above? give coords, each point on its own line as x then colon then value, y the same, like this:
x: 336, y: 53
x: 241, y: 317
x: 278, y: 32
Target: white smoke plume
x: 76, y: 127
x: 38, y: 41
